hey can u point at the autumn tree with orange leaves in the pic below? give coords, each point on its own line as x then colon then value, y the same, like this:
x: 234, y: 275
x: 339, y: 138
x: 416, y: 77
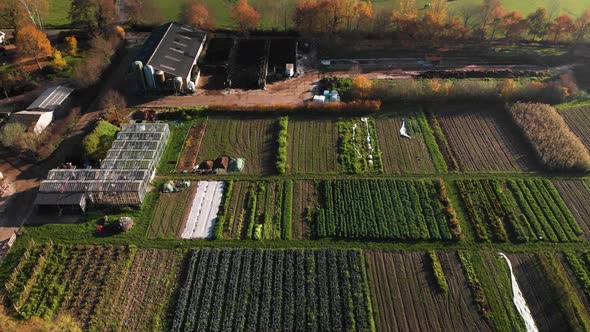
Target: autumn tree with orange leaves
x: 583, y: 25
x: 32, y: 42
x: 245, y: 16
x: 562, y: 25
x: 514, y: 25
x: 196, y: 13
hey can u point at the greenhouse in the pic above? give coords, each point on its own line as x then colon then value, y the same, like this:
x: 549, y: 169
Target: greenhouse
x: 122, y: 179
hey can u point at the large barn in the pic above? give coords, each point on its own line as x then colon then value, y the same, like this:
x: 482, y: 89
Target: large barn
x: 168, y: 58
x: 123, y: 178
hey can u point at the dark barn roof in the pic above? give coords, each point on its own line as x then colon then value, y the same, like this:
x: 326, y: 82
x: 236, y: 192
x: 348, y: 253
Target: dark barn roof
x: 51, y: 98
x: 172, y: 48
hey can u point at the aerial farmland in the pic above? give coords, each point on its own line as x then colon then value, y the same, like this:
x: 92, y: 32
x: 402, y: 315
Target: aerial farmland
x: 294, y: 165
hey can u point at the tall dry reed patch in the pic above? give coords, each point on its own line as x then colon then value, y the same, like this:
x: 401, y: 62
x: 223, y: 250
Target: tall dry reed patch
x: 553, y: 141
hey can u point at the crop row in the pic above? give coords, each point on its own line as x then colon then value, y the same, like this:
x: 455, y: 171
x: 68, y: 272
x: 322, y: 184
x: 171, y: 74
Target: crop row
x: 381, y: 209
x: 545, y: 214
x: 580, y: 265
x: 282, y: 144
x: 358, y: 147
x: 521, y: 210
x: 255, y: 289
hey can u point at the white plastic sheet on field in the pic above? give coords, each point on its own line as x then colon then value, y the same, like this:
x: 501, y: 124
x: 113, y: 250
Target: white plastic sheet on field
x: 204, y: 209
x: 404, y: 131
x: 520, y: 302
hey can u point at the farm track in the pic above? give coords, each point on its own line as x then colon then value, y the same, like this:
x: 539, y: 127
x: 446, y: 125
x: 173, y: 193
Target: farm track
x: 576, y: 195
x: 407, y: 298
x: 578, y: 120
x: 485, y: 141
x: 313, y: 146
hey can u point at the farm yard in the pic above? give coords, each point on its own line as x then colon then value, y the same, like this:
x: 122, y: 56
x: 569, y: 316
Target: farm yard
x: 247, y: 137
x: 484, y: 139
x: 418, y: 154
x: 313, y: 145
x: 436, y: 187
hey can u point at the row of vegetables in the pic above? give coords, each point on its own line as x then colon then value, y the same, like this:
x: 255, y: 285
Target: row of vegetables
x: 257, y: 289
x: 381, y: 209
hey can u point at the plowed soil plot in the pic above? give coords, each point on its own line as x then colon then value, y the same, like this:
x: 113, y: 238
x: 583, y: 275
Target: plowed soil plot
x: 304, y: 203
x: 192, y: 144
x: 313, y: 145
x: 274, y: 290
x: 578, y: 118
x: 408, y: 155
x: 576, y: 195
x: 484, y: 139
x: 549, y: 294
x: 171, y: 213
x: 147, y: 287
x: 251, y: 138
x: 407, y: 298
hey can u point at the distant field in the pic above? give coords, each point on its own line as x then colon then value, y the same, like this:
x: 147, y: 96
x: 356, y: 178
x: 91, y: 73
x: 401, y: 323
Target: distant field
x: 59, y: 9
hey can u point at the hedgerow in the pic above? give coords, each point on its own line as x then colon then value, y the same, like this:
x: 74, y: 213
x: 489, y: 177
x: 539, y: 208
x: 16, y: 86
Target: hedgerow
x: 439, y: 275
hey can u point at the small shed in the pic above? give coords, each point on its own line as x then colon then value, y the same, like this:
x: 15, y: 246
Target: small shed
x: 35, y: 121
x: 66, y: 202
x: 55, y: 99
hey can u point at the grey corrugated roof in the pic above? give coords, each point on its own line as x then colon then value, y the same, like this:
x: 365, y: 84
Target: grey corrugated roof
x: 172, y: 48
x: 51, y: 98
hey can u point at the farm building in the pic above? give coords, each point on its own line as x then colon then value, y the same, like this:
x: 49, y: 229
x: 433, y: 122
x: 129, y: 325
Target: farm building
x: 168, y: 58
x: 54, y: 99
x: 124, y: 175
x: 35, y: 121
x: 50, y: 104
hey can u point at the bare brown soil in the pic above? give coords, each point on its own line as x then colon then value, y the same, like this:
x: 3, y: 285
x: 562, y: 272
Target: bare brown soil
x: 313, y: 145
x: 484, y: 139
x: 304, y: 198
x: 407, y: 298
x: 578, y: 119
x: 577, y: 198
x: 192, y: 144
x: 146, y: 290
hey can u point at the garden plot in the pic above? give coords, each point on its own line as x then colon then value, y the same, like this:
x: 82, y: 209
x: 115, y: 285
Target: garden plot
x: 576, y: 195
x: 419, y: 154
x: 203, y: 211
x: 407, y: 299
x: 578, y: 120
x: 485, y: 139
x: 313, y: 145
